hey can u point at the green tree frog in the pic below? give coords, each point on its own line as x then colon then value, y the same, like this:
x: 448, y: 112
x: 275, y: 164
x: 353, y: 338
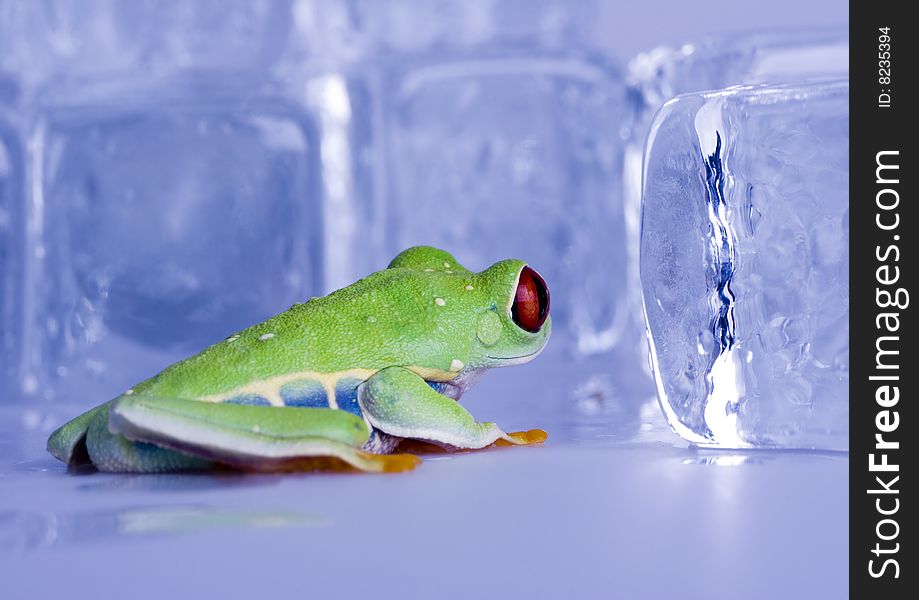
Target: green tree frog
x: 336, y: 381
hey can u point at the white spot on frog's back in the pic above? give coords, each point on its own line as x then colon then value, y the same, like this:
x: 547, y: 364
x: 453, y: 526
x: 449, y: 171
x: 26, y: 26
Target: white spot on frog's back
x: 440, y: 301
x: 232, y: 338
x: 469, y: 288
x: 266, y: 336
x: 129, y: 392
x: 446, y: 265
x: 371, y: 319
x: 456, y: 364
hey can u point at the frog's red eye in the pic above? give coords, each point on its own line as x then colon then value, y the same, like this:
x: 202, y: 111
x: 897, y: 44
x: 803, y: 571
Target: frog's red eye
x: 531, y: 301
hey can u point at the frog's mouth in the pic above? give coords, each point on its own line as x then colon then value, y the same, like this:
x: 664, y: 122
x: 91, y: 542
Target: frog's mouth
x: 517, y: 360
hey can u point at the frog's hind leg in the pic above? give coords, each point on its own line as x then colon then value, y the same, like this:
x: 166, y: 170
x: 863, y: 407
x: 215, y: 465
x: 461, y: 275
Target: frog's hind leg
x: 68, y: 442
x: 259, y: 438
x: 115, y: 453
x: 87, y: 440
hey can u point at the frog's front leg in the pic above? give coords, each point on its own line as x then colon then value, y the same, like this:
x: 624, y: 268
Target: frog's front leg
x: 400, y: 403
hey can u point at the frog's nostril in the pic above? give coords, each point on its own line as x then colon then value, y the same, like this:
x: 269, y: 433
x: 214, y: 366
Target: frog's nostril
x: 531, y: 301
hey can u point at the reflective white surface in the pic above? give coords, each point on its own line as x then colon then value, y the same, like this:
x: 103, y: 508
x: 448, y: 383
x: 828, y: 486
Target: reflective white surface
x: 612, y: 506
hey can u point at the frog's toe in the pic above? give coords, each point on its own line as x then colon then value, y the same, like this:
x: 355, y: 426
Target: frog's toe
x: 390, y: 463
x: 523, y: 438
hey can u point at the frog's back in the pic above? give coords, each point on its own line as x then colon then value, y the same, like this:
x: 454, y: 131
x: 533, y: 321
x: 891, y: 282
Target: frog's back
x: 313, y: 355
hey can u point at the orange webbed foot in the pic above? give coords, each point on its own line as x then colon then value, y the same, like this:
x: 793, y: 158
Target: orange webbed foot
x: 524, y: 438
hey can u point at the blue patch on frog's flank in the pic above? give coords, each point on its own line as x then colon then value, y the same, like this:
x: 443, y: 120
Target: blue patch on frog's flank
x: 437, y: 386
x: 305, y: 393
x: 346, y: 396
x: 249, y: 399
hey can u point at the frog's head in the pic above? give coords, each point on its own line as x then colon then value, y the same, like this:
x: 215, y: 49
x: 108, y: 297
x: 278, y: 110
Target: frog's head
x: 500, y: 316
x: 514, y: 325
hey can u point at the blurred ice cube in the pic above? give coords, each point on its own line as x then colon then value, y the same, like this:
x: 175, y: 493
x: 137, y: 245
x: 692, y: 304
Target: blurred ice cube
x: 744, y: 264
x: 67, y: 41
x: 164, y: 219
x: 718, y: 62
x: 11, y: 231
x: 518, y: 157
x: 185, y: 173
x: 355, y: 30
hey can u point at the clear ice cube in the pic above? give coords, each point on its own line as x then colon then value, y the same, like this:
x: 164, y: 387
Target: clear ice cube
x: 744, y: 264
x: 713, y: 63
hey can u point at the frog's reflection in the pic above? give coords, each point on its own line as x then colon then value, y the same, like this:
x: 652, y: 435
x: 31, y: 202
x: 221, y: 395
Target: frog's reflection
x: 26, y: 531
x: 174, y: 482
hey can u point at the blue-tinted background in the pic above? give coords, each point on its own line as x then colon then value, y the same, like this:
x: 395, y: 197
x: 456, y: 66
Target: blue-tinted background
x: 172, y: 172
